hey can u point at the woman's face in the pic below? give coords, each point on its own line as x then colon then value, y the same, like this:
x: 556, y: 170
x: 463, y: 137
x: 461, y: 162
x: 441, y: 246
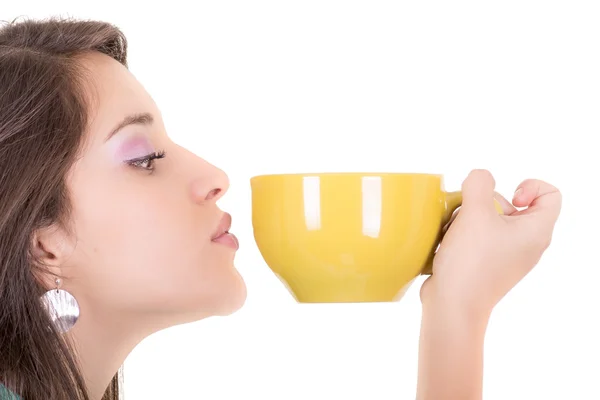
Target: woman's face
x: 143, y: 240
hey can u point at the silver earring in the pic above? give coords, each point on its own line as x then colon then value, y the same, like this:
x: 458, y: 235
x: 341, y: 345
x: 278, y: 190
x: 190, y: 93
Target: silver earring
x: 61, y: 306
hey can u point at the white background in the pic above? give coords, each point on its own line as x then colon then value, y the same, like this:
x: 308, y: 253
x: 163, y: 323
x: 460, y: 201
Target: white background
x: 258, y: 87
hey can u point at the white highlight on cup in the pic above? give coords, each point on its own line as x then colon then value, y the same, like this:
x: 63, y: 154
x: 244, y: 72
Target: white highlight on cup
x: 371, y: 206
x: 312, y: 202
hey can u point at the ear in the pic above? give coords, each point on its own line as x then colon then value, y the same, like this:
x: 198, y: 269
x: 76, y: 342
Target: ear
x: 51, y: 248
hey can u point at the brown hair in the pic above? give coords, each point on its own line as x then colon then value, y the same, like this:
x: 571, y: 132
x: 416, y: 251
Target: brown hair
x: 43, y: 117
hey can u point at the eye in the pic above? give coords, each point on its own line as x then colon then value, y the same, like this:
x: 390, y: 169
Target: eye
x: 146, y: 162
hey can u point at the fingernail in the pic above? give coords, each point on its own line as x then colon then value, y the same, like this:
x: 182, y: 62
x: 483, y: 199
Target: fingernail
x: 518, y: 192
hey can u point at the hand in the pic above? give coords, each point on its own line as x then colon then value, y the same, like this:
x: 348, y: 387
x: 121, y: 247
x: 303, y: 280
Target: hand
x: 483, y: 254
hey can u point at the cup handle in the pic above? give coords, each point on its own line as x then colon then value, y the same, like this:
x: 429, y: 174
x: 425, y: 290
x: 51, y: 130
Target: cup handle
x: 453, y: 202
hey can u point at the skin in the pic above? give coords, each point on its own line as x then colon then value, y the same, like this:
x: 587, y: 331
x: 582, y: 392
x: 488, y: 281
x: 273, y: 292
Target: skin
x: 482, y: 257
x: 138, y: 253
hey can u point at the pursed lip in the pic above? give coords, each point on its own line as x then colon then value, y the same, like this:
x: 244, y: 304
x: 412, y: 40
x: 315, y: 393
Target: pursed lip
x: 223, y: 227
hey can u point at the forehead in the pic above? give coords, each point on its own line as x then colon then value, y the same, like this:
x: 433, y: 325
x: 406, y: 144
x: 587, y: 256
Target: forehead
x: 114, y: 93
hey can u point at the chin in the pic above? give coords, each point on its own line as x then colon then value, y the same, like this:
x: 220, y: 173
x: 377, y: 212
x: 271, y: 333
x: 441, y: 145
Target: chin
x: 235, y: 299
x: 221, y: 307
x: 227, y: 295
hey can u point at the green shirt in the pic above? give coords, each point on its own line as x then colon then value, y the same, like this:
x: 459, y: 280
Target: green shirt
x: 6, y: 394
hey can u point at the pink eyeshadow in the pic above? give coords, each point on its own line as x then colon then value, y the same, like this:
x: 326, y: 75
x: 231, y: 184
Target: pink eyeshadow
x: 133, y: 148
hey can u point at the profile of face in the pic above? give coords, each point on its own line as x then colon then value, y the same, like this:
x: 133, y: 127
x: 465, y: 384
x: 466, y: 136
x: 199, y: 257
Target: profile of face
x: 146, y: 238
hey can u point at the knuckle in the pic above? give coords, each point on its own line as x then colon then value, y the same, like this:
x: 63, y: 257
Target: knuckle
x: 479, y: 175
x: 543, y: 241
x: 480, y: 172
x: 558, y: 194
x: 539, y: 238
x: 546, y: 243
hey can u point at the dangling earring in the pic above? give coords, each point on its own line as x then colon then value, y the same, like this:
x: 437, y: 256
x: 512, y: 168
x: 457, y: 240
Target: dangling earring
x: 62, y: 307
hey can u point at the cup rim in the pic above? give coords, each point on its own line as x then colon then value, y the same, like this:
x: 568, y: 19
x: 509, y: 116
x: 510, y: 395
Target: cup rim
x: 357, y: 173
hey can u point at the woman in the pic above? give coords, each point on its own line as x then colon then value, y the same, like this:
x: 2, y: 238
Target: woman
x: 102, y: 213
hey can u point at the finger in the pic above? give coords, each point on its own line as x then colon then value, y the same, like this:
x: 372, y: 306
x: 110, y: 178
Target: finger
x: 478, y: 191
x: 538, y: 196
x: 447, y: 226
x: 507, y: 207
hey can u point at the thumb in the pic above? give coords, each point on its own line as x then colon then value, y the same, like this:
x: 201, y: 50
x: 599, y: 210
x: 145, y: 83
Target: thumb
x: 478, y: 191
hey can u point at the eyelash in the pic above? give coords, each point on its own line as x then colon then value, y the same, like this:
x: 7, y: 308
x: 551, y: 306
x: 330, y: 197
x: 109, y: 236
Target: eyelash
x: 147, y: 159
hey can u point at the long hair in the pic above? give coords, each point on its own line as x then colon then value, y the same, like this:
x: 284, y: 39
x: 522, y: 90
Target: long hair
x: 43, y: 118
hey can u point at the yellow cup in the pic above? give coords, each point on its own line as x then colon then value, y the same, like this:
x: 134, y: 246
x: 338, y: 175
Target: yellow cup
x: 350, y: 237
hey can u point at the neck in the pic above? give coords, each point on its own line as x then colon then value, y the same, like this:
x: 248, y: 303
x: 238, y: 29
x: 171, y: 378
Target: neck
x: 102, y: 348
x: 103, y: 342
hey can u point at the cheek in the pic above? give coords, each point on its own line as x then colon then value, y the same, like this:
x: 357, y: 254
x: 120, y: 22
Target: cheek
x: 148, y: 253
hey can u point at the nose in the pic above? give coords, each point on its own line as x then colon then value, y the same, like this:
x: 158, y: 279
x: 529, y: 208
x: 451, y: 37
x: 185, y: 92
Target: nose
x: 210, y: 184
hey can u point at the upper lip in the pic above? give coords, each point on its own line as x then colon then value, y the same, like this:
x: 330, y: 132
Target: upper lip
x: 223, y: 227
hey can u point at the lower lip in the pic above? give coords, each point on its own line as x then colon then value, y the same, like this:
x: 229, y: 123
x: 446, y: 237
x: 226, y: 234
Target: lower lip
x: 228, y: 239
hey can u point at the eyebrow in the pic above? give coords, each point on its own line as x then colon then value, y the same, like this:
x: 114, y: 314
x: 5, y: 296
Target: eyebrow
x: 139, y: 119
